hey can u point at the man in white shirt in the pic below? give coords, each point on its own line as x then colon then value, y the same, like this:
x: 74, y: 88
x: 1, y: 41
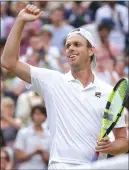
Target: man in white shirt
x: 119, y: 14
x: 75, y: 111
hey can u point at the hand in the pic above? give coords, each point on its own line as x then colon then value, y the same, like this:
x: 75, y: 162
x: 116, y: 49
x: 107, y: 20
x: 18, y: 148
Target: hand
x: 103, y: 145
x: 30, y: 13
x: 38, y: 150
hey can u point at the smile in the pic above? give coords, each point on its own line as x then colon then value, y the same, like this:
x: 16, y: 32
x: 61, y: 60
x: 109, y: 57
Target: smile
x: 72, y: 56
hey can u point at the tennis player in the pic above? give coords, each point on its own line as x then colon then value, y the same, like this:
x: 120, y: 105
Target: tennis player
x: 74, y: 101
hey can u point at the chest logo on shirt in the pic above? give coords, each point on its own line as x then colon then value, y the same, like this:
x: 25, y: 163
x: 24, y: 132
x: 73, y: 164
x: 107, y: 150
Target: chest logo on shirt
x: 98, y: 94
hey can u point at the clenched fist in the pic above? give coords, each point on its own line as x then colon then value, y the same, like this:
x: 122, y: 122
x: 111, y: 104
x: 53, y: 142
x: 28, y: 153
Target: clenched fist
x: 30, y: 13
x: 104, y: 145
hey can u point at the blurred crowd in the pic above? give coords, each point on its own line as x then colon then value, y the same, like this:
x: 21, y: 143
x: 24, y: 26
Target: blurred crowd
x: 25, y: 138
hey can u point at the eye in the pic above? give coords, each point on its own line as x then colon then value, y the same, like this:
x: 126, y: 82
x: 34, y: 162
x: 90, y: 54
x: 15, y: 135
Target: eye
x: 77, y: 44
x: 67, y: 46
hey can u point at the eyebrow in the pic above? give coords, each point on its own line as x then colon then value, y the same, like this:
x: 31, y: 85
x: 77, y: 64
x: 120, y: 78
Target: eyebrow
x: 73, y: 42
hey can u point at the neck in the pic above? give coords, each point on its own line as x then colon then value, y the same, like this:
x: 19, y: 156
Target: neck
x: 37, y: 127
x: 85, y: 76
x: 58, y: 25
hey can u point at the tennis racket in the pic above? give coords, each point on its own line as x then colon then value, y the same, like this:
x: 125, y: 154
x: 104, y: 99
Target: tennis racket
x: 114, y: 109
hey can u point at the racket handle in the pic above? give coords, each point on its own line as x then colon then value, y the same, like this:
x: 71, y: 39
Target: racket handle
x: 95, y: 158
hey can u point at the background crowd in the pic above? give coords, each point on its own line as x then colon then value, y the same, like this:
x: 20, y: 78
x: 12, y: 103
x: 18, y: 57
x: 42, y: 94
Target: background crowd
x: 25, y: 137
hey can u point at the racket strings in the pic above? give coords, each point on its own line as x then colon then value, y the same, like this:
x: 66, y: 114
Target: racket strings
x: 122, y: 90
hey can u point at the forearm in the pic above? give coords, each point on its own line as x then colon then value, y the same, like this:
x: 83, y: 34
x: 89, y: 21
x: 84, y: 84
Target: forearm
x: 12, y: 46
x: 24, y: 156
x: 45, y: 157
x: 119, y: 146
x: 13, y: 123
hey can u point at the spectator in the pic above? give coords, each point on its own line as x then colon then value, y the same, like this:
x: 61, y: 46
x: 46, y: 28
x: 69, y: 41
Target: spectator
x: 5, y: 20
x: 106, y: 50
x: 18, y: 85
x: 120, y: 67
x: 31, y: 29
x: 5, y: 92
x: 62, y: 61
x: 9, y: 125
x: 32, y: 143
x: 27, y: 99
x: 52, y: 53
x: 79, y: 14
x: 119, y: 14
x: 59, y: 28
x: 107, y: 73
x: 47, y: 52
x: 5, y: 161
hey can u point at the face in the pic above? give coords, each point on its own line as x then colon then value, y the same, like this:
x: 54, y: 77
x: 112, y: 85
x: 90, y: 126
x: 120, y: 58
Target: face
x: 57, y: 16
x: 77, y: 52
x: 104, y: 33
x: 3, y: 160
x: 36, y: 43
x: 38, y: 117
x: 7, y: 109
x: 46, y: 36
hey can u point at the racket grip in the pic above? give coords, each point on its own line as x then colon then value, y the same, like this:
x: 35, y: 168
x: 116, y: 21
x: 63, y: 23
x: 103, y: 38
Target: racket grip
x: 95, y: 158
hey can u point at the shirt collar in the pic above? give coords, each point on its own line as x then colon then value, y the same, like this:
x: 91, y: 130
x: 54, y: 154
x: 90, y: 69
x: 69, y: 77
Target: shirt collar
x: 32, y: 129
x: 70, y: 78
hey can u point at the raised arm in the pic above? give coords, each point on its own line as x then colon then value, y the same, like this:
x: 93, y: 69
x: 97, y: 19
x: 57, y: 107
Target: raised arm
x: 10, y: 57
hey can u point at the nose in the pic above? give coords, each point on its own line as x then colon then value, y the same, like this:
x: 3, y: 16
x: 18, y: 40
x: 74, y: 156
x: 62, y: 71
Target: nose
x: 71, y: 48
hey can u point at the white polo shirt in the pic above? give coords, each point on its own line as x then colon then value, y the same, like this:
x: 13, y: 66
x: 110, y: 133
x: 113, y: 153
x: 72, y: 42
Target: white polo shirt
x: 74, y: 113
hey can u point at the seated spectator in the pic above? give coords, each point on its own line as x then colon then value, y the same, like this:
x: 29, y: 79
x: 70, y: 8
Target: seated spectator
x: 32, y: 142
x: 79, y: 14
x: 18, y: 85
x: 119, y: 14
x: 62, y: 61
x: 5, y: 92
x: 31, y: 28
x: 5, y: 19
x: 5, y: 161
x: 120, y: 67
x: 9, y: 124
x: 59, y: 28
x: 42, y: 44
x: 106, y: 50
x: 28, y: 100
x: 52, y: 53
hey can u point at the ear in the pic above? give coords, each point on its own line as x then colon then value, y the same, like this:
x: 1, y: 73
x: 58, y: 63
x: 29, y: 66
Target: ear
x: 90, y: 52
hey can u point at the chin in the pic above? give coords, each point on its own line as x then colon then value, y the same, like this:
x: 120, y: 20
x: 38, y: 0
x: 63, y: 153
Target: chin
x: 74, y: 65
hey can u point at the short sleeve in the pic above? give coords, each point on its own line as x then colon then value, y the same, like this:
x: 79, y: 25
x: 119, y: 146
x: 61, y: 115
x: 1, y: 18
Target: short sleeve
x: 42, y: 79
x: 121, y: 122
x: 20, y: 141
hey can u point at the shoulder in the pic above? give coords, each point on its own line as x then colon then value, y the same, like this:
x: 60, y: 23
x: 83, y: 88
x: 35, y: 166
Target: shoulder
x: 121, y: 8
x: 68, y: 27
x: 25, y: 131
x: 102, y: 9
x: 41, y: 72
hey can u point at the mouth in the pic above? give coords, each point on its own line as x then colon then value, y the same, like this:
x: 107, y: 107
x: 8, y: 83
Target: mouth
x: 72, y: 56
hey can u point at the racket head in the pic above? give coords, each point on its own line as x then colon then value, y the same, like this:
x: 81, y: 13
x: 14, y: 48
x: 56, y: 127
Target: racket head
x: 114, y: 107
